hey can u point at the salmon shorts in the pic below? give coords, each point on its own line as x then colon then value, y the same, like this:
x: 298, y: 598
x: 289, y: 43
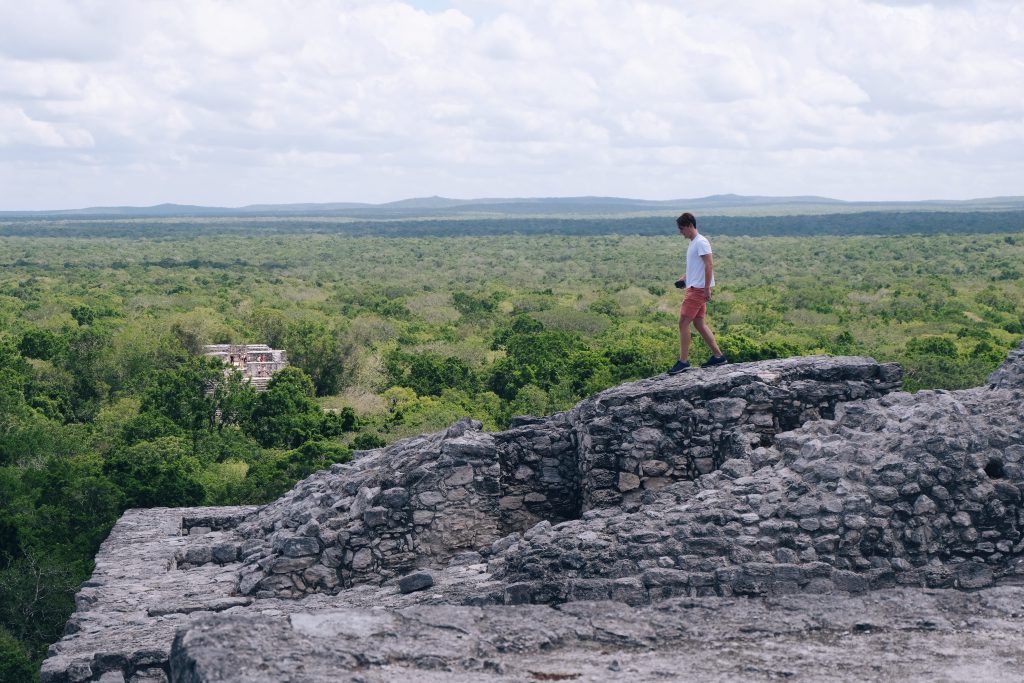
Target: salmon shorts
x: 695, y: 305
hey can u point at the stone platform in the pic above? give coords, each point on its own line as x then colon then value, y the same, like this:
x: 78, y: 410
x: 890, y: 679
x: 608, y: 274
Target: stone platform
x: 798, y: 518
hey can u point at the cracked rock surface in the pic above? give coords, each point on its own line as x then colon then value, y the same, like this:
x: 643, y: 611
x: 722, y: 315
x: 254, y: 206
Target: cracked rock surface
x: 899, y: 634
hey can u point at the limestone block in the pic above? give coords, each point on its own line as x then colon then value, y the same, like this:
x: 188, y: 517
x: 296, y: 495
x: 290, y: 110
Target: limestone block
x: 198, y: 555
x: 375, y: 517
x: 602, y: 478
x: 518, y: 594
x: 654, y: 468
x: 332, y: 557
x: 415, y: 582
x: 460, y: 476
x: 849, y: 582
x: 657, y: 483
x: 537, y: 530
x: 961, y: 519
x: 924, y: 506
x: 362, y: 560
x: 828, y: 471
x: 550, y: 475
x: 503, y: 544
x: 363, y: 500
x: 629, y: 590
x: 458, y: 494
x: 394, y: 498
x: 628, y: 481
x: 523, y: 473
x: 297, y: 546
x: 321, y: 576
x: 736, y: 468
x: 647, y: 435
x: 704, y: 465
x: 726, y: 409
x: 510, y: 502
x: 829, y: 522
x: 422, y: 517
x: 430, y: 498
x: 285, y: 565
x: 224, y: 553
x: 884, y: 493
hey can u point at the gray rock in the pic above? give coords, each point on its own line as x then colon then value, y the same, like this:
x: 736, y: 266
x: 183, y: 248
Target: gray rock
x: 415, y: 582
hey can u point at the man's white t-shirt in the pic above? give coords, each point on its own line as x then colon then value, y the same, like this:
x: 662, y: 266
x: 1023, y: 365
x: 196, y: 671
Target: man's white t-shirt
x: 699, y: 246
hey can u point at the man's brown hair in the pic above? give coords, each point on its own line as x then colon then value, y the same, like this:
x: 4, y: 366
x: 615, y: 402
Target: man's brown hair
x: 686, y: 219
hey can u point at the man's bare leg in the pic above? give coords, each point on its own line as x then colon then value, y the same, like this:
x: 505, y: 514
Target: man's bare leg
x: 684, y: 337
x: 707, y: 335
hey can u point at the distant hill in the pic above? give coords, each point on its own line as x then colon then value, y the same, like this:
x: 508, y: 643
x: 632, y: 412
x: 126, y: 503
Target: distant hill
x: 434, y: 207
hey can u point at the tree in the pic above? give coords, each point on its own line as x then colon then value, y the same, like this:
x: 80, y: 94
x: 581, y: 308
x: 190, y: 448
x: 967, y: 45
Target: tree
x: 311, y: 457
x: 286, y: 414
x: 470, y: 305
x: 530, y: 400
x: 41, y: 344
x: 83, y: 315
x: 540, y: 358
x: 180, y: 394
x: 15, y: 666
x: 158, y: 473
x: 198, y: 396
x: 314, y: 348
x: 271, y: 326
x: 428, y: 374
x: 87, y: 347
x: 66, y: 507
x: 932, y: 346
x: 336, y: 423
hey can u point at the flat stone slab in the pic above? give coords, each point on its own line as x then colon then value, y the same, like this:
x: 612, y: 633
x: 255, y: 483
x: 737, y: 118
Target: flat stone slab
x: 139, y: 596
x: 899, y: 634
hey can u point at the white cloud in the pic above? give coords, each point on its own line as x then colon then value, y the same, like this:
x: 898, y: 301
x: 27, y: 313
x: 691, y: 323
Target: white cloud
x: 17, y: 129
x: 231, y: 102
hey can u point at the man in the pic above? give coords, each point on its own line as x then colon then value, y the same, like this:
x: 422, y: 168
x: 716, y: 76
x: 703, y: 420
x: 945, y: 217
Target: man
x: 698, y: 280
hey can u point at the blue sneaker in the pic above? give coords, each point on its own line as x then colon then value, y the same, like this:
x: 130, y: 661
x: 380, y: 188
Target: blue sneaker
x: 679, y: 367
x: 715, y: 360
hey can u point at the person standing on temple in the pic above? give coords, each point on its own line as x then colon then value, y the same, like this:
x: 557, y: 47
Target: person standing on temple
x: 698, y: 281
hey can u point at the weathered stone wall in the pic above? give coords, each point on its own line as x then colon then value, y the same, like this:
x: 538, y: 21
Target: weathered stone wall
x: 922, y: 490
x: 539, y: 472
x: 418, y: 503
x: 642, y: 436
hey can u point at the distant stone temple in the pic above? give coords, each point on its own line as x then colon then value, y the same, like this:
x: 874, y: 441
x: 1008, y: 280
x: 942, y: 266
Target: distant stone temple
x: 256, y: 362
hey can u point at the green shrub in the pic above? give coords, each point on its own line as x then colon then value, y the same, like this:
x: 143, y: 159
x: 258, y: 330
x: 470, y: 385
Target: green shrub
x: 158, y: 473
x: 932, y: 346
x: 368, y: 441
x: 739, y: 348
x: 15, y: 666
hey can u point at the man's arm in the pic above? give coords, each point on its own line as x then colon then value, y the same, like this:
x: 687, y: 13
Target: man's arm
x: 709, y: 268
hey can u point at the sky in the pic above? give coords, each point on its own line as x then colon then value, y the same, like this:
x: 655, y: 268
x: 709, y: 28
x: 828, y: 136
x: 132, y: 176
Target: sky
x: 229, y: 103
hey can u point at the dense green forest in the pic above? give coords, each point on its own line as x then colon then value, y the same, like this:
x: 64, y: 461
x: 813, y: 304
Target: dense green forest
x: 847, y: 222
x: 102, y: 399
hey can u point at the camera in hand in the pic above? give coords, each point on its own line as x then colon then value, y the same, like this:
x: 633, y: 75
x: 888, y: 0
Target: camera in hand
x: 681, y: 283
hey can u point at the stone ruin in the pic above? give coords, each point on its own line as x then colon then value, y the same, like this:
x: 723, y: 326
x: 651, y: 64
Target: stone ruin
x: 256, y: 362
x: 811, y: 484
